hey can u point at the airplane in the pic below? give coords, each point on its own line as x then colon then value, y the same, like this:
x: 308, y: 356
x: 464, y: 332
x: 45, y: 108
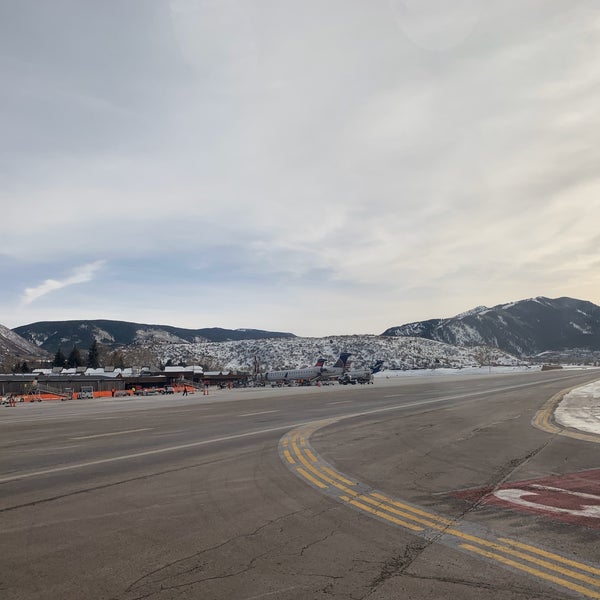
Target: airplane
x: 309, y: 373
x: 337, y: 370
x: 360, y: 375
x: 315, y: 373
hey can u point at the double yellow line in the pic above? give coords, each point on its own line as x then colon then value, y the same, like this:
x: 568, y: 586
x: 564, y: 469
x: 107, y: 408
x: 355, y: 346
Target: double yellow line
x: 564, y: 572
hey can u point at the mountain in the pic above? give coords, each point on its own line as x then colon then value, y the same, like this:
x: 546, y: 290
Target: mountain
x: 523, y: 328
x: 50, y: 335
x: 13, y: 346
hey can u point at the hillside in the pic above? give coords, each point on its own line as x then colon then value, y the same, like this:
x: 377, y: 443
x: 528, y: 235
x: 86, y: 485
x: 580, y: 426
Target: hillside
x: 50, y: 335
x: 396, y: 352
x: 523, y: 328
x: 13, y: 346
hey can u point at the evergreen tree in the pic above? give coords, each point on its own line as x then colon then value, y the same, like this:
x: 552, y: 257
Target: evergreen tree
x: 93, y: 356
x: 60, y: 360
x: 74, y: 359
x: 24, y: 367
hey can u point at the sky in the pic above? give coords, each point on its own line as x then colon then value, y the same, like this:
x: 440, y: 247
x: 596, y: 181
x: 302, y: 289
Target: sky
x: 315, y: 167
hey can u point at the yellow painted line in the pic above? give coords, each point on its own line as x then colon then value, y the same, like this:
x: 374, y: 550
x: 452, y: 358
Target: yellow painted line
x: 99, y: 435
x: 543, y: 416
x: 541, y: 574
x: 417, y: 511
x: 377, y: 503
x: 543, y: 419
x: 550, y: 566
x: 381, y: 514
x: 434, y: 522
x: 318, y: 473
x: 506, y: 549
x: 288, y: 457
x: 533, y: 559
x: 310, y: 455
x: 550, y: 555
x: 412, y: 517
x: 521, y: 556
x: 336, y: 475
x: 310, y: 478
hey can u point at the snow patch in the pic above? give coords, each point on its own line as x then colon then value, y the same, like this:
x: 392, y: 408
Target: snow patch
x: 473, y: 311
x: 584, y: 330
x: 580, y: 409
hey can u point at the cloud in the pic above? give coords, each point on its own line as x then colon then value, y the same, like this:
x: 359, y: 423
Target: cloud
x: 81, y: 274
x: 391, y: 158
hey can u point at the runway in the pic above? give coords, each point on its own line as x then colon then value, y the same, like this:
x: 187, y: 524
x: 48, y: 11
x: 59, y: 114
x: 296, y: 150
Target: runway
x: 194, y: 497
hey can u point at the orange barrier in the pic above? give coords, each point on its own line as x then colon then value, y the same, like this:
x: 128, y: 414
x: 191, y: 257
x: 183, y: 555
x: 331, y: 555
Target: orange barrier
x: 100, y: 394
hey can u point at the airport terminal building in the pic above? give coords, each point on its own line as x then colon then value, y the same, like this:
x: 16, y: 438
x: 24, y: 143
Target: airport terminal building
x: 63, y: 382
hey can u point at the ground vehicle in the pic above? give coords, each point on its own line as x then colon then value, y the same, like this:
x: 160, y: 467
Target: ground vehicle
x: 87, y: 391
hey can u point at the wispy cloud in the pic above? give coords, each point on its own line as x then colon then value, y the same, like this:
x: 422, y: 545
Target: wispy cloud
x: 81, y: 274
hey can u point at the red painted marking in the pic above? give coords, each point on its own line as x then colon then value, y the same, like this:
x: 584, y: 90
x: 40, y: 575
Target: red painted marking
x: 573, y: 498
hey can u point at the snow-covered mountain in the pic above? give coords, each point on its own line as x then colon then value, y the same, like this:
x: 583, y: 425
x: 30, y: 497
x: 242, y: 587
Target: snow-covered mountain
x: 52, y: 335
x: 480, y: 336
x: 13, y: 346
x: 524, y: 328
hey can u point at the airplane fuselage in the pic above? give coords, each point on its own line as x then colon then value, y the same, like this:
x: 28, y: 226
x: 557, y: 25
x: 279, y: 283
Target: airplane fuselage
x: 294, y: 374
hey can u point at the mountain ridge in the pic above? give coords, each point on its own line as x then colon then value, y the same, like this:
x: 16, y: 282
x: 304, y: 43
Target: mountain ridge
x: 523, y: 328
x: 51, y: 335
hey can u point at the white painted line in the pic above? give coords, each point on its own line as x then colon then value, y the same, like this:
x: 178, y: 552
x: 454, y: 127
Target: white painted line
x: 103, y: 461
x: 341, y: 402
x: 262, y: 412
x: 99, y: 435
x: 374, y: 411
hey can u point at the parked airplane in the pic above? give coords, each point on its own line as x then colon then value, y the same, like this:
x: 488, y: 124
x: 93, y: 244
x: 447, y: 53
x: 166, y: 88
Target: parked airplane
x: 319, y: 371
x: 337, y: 370
x: 353, y: 376
x: 309, y: 373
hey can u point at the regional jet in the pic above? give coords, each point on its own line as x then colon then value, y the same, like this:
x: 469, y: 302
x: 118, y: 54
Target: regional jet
x: 309, y: 373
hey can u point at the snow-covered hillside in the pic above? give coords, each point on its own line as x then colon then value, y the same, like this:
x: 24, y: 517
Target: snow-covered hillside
x: 397, y: 352
x: 13, y: 346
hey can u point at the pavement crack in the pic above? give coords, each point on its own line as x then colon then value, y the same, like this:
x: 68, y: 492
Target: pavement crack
x: 504, y: 474
x: 313, y: 543
x: 483, y: 585
x: 159, y: 578
x: 397, y: 565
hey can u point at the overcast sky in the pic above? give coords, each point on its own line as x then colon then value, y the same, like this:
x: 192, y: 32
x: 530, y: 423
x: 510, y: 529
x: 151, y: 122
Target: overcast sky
x: 319, y: 167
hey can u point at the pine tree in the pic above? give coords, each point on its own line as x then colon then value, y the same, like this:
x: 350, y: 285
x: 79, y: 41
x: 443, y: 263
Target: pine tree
x: 60, y: 360
x: 74, y: 359
x: 93, y: 356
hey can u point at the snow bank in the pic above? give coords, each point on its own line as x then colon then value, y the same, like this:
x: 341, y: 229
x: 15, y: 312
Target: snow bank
x: 580, y: 409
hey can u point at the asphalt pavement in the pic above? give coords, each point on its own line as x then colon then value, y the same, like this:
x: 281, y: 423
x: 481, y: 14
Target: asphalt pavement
x: 409, y: 488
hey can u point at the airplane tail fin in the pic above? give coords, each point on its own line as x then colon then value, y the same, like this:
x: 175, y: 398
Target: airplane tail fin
x: 320, y: 362
x: 342, y: 360
x: 377, y: 366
